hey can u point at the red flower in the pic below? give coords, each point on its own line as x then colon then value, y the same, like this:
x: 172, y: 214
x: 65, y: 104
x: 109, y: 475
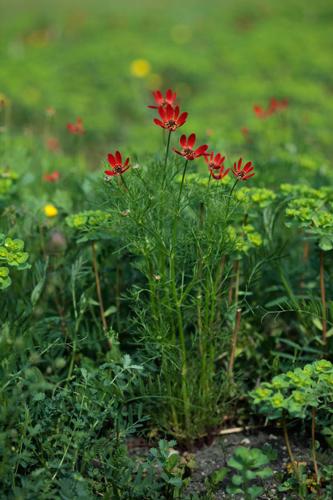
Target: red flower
x: 52, y: 144
x: 221, y: 173
x: 216, y: 162
x: 76, y: 128
x: 259, y: 111
x: 117, y: 165
x: 243, y: 174
x: 187, y: 148
x: 161, y: 101
x: 170, y: 118
x: 52, y: 177
x: 276, y: 105
x: 273, y: 106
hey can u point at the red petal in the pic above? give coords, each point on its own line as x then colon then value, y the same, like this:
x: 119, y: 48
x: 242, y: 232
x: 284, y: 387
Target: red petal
x: 168, y: 95
x: 126, y: 162
x: 200, y: 150
x: 182, y: 141
x: 162, y: 113
x: 179, y: 152
x: 111, y: 160
x: 182, y: 119
x: 215, y: 176
x: 118, y: 158
x: 158, y: 96
x: 110, y: 172
x: 169, y: 112
x: 159, y: 123
x: 191, y: 140
x: 209, y: 157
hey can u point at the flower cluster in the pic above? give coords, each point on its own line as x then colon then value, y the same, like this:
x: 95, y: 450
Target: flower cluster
x: 273, y: 106
x: 171, y: 118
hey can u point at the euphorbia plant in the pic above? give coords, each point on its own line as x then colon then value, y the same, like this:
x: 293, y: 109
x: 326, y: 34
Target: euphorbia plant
x: 178, y: 236
x: 12, y: 255
x: 305, y: 394
x: 311, y: 210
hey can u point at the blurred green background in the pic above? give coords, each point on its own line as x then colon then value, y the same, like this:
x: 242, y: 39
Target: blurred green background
x: 100, y: 60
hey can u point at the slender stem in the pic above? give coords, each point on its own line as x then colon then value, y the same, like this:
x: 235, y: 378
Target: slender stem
x: 323, y: 296
x: 234, y: 343
x: 182, y: 183
x: 313, y: 444
x: 287, y: 442
x: 124, y: 183
x: 229, y: 198
x: 117, y: 290
x: 166, y: 157
x: 98, y: 286
x: 181, y: 333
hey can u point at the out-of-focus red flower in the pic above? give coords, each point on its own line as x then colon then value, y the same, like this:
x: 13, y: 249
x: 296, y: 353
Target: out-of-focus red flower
x: 245, y: 131
x: 274, y: 105
x: 187, y: 150
x: 52, y: 144
x: 76, y: 128
x: 259, y: 111
x: 52, y: 177
x: 243, y: 173
x: 161, y: 101
x: 117, y: 165
x: 277, y: 105
x: 171, y: 119
x: 213, y: 161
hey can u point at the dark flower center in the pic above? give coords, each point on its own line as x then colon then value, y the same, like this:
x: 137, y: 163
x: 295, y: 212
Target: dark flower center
x: 171, y: 124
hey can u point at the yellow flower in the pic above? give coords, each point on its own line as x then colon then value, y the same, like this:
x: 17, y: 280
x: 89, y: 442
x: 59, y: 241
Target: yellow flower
x: 50, y: 210
x: 140, y: 68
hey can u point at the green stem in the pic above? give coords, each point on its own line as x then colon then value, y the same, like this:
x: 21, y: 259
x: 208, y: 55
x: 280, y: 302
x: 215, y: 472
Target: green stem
x: 124, y: 183
x: 182, y: 342
x: 98, y: 286
x: 229, y: 198
x: 182, y: 183
x: 313, y: 444
x: 166, y: 158
x: 323, y: 297
x: 288, y: 446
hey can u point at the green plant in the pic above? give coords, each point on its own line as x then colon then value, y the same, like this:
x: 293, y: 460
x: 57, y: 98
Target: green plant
x: 12, y: 255
x: 248, y: 466
x: 304, y: 393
